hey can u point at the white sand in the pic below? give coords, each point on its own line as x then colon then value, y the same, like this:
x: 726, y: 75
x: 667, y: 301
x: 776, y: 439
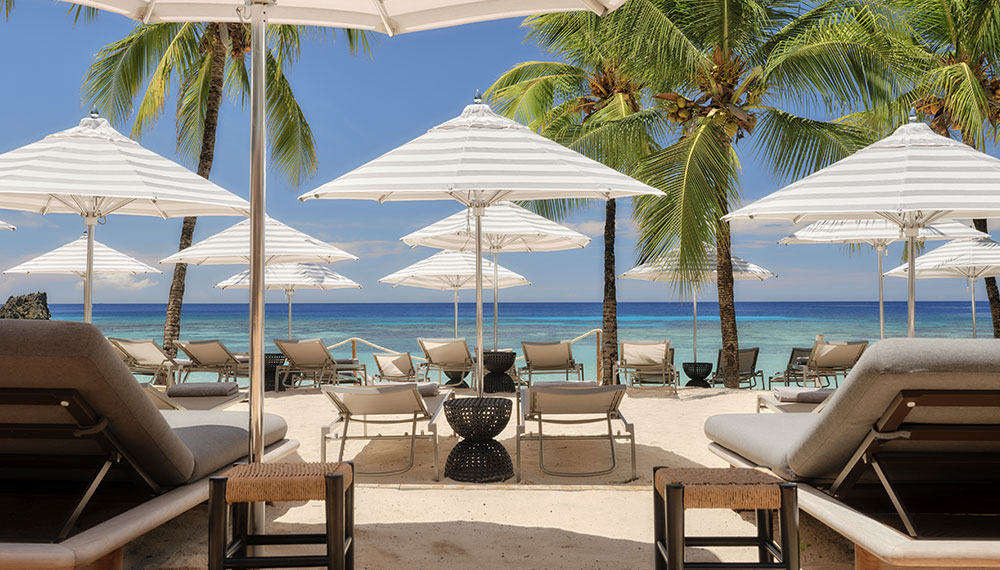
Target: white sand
x: 546, y: 522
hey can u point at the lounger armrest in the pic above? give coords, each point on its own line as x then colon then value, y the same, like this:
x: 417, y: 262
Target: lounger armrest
x: 435, y: 414
x: 628, y: 425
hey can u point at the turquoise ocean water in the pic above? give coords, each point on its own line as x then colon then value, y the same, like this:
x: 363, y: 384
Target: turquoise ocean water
x: 775, y: 327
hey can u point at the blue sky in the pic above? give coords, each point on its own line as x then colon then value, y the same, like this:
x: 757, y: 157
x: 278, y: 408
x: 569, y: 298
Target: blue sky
x: 359, y: 108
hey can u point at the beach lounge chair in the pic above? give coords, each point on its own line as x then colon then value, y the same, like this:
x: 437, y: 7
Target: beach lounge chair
x: 309, y: 359
x: 446, y: 355
x: 89, y: 463
x: 793, y: 370
x: 196, y: 395
x: 831, y: 360
x: 748, y: 368
x: 386, y: 404
x: 570, y: 404
x: 785, y: 399
x: 647, y: 362
x: 146, y: 357
x: 908, y: 443
x: 395, y: 367
x: 549, y: 358
x: 213, y: 356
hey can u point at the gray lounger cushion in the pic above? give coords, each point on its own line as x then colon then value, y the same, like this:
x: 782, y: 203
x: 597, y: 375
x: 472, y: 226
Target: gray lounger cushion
x: 800, y: 394
x: 822, y: 447
x: 217, y: 438
x: 196, y: 389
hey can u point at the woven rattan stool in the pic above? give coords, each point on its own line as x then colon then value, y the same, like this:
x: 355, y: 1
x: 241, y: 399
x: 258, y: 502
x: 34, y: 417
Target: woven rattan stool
x: 262, y: 482
x: 745, y: 489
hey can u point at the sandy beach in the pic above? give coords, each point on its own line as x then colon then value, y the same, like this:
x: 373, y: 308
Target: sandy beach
x: 544, y: 522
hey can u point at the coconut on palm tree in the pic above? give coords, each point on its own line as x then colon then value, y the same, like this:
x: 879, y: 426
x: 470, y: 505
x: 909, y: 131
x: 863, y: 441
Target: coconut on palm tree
x: 576, y: 102
x: 728, y: 72
x: 204, y: 61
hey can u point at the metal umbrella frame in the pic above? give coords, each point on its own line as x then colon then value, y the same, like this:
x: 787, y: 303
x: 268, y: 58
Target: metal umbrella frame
x: 666, y: 269
x: 879, y: 234
x: 507, y: 227
x: 290, y: 277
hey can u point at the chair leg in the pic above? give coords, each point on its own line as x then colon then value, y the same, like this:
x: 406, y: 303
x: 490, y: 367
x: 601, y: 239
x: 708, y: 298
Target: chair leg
x: 324, y: 433
x: 765, y: 534
x: 349, y: 523
x: 674, y: 506
x: 517, y: 452
x: 217, y: 523
x: 343, y: 438
x: 335, y: 522
x: 788, y: 521
x: 437, y: 464
x: 659, y: 527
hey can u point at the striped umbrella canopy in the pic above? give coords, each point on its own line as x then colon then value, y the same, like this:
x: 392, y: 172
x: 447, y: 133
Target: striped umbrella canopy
x: 93, y: 170
x: 506, y: 227
x: 480, y: 158
x: 879, y: 234
x: 962, y: 258
x: 666, y: 269
x: 284, y: 244
x: 453, y: 271
x: 71, y: 259
x: 912, y: 178
x: 290, y: 277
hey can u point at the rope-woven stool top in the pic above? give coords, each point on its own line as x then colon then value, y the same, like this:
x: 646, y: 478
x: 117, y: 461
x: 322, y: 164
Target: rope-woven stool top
x: 260, y: 482
x: 707, y: 488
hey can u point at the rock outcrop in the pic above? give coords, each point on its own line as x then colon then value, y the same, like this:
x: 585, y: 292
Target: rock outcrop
x: 30, y: 306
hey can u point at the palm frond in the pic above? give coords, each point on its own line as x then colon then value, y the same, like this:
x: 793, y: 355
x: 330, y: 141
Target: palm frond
x: 796, y: 146
x: 293, y: 147
x: 529, y: 90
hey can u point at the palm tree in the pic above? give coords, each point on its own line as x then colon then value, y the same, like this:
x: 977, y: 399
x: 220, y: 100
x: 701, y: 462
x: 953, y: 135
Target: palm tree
x: 205, y: 60
x: 724, y: 71
x: 577, y: 103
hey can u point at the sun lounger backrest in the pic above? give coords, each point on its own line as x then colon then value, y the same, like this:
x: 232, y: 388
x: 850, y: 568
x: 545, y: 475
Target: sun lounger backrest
x: 836, y: 354
x: 305, y: 353
x: 553, y: 399
x: 207, y: 352
x: 645, y: 353
x: 444, y: 351
x: 748, y: 360
x: 554, y: 354
x: 389, y: 400
x: 796, y: 355
x: 395, y: 365
x: 46, y: 356
x: 885, y: 369
x: 142, y: 352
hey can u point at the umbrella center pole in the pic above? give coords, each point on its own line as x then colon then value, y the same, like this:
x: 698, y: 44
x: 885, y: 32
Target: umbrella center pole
x: 88, y: 278
x: 496, y: 304
x: 288, y: 295
x: 694, y: 327
x: 972, y: 292
x: 911, y: 231
x: 879, y: 252
x: 478, y: 209
x: 456, y: 312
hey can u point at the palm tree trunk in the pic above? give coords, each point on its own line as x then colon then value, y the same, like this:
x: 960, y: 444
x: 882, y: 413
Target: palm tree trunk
x: 727, y: 306
x: 992, y: 292
x: 172, y: 322
x: 609, y: 326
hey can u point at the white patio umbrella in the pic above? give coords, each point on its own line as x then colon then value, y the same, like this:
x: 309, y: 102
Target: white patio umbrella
x: 453, y: 271
x: 391, y: 19
x: 912, y: 178
x: 94, y: 171
x: 967, y: 258
x: 479, y: 159
x: 666, y: 269
x: 290, y: 277
x: 5, y: 226
x: 507, y: 227
x: 878, y: 234
x: 284, y: 244
x: 83, y: 258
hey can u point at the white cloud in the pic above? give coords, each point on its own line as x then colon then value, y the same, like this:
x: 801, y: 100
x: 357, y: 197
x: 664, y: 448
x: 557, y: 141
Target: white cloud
x: 373, y: 248
x: 592, y: 228
x: 122, y: 281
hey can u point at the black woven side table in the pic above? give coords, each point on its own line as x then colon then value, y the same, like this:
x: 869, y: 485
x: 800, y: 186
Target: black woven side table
x: 697, y: 372
x: 478, y: 458
x: 498, y: 362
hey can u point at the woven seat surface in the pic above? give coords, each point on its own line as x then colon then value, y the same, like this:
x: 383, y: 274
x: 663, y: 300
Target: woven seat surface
x: 260, y: 482
x: 707, y: 488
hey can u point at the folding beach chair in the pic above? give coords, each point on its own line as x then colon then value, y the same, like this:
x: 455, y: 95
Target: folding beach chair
x: 831, y: 360
x: 395, y: 367
x: 748, y: 368
x: 569, y: 404
x: 385, y: 404
x: 793, y: 370
x: 146, y: 357
x: 310, y: 360
x: 647, y: 362
x: 213, y: 356
x: 554, y: 357
x: 446, y: 355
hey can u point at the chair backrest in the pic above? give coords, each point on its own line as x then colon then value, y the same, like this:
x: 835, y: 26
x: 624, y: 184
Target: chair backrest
x: 563, y: 399
x: 66, y: 376
x: 142, y: 352
x: 306, y: 353
x: 836, y: 354
x: 548, y: 354
x: 390, y: 399
x: 445, y: 351
x: 645, y: 352
x: 882, y: 372
x: 207, y: 352
x: 747, y: 360
x: 795, y: 357
x: 670, y: 356
x: 395, y: 365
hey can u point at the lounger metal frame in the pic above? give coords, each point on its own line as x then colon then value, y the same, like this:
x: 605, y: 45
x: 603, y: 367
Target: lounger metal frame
x: 749, y: 376
x: 89, y: 426
x: 232, y: 368
x: 639, y: 375
x: 571, y: 366
x: 329, y: 371
x: 169, y: 368
x: 792, y: 372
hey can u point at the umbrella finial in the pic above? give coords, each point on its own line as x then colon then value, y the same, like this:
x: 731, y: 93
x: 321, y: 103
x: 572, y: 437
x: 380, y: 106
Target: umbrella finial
x: 913, y: 118
x: 477, y: 98
x: 94, y: 114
